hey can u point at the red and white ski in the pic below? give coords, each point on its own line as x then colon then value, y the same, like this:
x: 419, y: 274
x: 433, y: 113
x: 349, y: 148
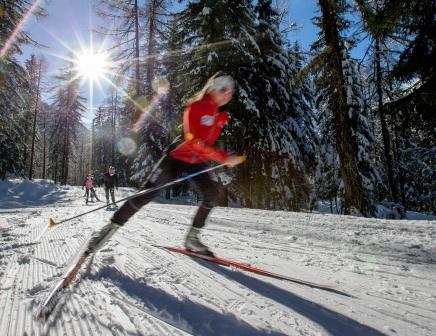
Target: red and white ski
x: 52, y: 300
x: 250, y: 268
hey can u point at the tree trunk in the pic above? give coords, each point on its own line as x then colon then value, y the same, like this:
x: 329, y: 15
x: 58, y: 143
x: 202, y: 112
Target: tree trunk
x: 151, y: 47
x: 91, y: 149
x: 80, y: 173
x: 44, y: 147
x: 114, y: 114
x: 345, y: 142
x: 67, y: 161
x: 400, y: 171
x: 137, y: 63
x: 55, y: 173
x: 64, y: 162
x: 384, y: 127
x: 32, y: 151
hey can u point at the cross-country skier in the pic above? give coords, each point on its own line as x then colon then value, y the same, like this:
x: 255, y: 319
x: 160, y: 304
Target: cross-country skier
x: 110, y: 181
x: 202, y: 123
x: 90, y: 191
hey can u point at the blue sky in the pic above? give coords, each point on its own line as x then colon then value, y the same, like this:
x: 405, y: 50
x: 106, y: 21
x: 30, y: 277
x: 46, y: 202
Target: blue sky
x: 71, y: 21
x: 301, y: 12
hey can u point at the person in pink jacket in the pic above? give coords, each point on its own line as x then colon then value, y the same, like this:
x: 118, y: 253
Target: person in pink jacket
x: 89, y: 185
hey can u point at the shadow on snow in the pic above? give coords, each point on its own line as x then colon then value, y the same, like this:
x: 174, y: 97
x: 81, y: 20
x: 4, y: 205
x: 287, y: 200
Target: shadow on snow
x: 333, y: 322
x: 201, y: 319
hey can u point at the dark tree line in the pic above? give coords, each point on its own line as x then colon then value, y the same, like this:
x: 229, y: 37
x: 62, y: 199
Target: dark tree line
x: 315, y: 125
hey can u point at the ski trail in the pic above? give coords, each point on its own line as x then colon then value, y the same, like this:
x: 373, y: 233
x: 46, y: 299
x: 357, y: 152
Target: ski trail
x: 132, y: 288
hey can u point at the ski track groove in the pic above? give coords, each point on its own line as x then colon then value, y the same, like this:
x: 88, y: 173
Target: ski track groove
x: 15, y: 309
x: 209, y: 294
x: 154, y: 320
x: 386, y: 309
x: 83, y: 311
x: 349, y: 246
x: 9, y: 295
x: 390, y: 257
x: 240, y: 297
x: 409, y: 304
x: 28, y: 277
x: 78, y: 292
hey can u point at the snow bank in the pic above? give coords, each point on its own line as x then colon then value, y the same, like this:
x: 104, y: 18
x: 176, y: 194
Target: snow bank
x: 18, y: 193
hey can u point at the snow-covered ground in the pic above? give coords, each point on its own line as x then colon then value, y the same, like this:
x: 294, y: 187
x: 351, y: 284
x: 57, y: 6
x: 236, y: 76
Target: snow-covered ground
x: 133, y: 288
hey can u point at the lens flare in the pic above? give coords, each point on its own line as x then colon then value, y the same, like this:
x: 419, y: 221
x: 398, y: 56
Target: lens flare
x: 126, y: 146
x: 11, y: 39
x: 160, y: 85
x: 141, y: 102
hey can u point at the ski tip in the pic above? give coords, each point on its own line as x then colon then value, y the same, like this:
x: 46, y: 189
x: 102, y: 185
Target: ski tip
x: 51, y: 223
x: 41, y: 315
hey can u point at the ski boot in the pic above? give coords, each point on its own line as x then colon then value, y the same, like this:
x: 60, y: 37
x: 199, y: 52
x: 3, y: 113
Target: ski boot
x: 193, y: 243
x: 99, y: 238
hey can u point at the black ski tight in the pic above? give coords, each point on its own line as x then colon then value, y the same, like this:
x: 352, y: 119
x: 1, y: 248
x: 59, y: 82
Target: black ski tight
x: 112, y: 193
x: 167, y: 170
x: 91, y: 192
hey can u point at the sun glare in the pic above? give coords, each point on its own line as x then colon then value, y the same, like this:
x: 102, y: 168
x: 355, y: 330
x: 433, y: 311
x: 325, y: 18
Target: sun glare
x: 92, y: 66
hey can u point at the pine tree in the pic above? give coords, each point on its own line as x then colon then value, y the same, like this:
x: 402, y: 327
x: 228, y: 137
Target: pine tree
x: 302, y: 92
x: 104, y: 132
x: 416, y: 164
x: 381, y: 61
x: 12, y: 118
x: 279, y: 142
x: 124, y: 19
x: 68, y: 106
x: 328, y: 181
x: 346, y: 143
x: 409, y: 84
x: 361, y: 129
x: 13, y: 101
x: 43, y: 143
x: 34, y: 68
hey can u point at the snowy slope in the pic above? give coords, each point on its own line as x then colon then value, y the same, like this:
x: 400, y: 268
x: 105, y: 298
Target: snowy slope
x: 133, y: 288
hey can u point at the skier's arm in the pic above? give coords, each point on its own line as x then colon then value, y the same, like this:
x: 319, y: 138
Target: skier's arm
x: 208, y: 152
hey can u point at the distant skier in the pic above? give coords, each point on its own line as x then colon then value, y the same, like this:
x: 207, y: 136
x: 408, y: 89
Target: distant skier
x: 110, y: 181
x: 90, y: 191
x: 202, y: 123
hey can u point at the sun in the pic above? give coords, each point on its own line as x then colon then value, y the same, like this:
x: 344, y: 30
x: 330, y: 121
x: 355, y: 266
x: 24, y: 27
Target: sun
x: 92, y: 65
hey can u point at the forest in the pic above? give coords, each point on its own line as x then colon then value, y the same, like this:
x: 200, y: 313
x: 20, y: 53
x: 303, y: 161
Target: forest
x: 316, y: 125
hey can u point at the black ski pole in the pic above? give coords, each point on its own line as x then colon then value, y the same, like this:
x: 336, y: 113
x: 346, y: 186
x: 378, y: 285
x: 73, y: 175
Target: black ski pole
x: 52, y: 223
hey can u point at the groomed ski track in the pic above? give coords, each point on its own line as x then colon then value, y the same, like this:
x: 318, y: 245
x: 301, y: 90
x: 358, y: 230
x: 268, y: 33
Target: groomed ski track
x: 133, y: 288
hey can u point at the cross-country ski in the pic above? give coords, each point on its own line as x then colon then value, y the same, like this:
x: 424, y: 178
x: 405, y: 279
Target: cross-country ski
x: 252, y: 269
x: 61, y: 287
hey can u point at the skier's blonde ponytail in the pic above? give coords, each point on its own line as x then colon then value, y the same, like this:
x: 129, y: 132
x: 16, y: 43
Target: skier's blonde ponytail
x: 202, y: 93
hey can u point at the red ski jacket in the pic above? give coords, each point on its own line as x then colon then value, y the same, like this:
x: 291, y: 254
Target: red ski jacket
x: 202, y: 124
